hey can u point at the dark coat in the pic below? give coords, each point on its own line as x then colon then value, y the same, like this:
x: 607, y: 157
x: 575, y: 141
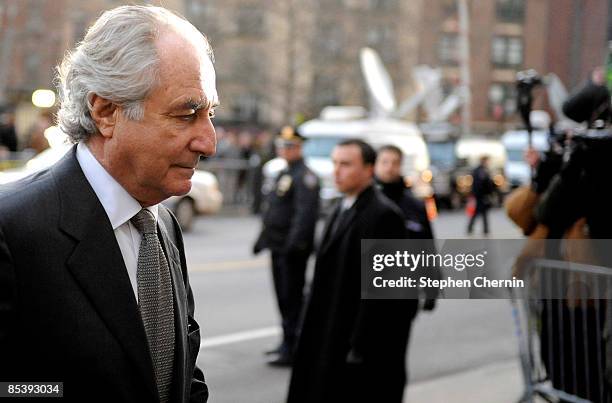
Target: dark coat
x: 482, y: 187
x: 338, y: 321
x: 291, y: 213
x: 417, y: 222
x: 67, y: 309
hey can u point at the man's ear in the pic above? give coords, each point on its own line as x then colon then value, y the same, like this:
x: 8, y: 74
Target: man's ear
x: 104, y: 113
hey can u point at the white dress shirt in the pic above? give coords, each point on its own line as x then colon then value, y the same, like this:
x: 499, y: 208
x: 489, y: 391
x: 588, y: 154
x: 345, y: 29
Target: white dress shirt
x: 347, y: 202
x: 120, y: 207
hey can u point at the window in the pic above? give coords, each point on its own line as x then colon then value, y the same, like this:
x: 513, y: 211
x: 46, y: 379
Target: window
x: 448, y: 49
x: 320, y: 147
x: 502, y: 99
x: 35, y: 21
x: 330, y: 39
x: 250, y: 21
x: 383, y: 39
x: 510, y: 10
x: 32, y: 64
x: 507, y: 51
x: 202, y: 15
x: 449, y: 8
x: 246, y: 108
x: 384, y: 5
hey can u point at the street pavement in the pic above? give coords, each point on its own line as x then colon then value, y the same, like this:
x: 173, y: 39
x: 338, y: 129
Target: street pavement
x: 464, y: 351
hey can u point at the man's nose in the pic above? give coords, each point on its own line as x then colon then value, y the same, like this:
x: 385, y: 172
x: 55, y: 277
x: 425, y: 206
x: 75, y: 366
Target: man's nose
x: 336, y: 170
x: 205, y: 140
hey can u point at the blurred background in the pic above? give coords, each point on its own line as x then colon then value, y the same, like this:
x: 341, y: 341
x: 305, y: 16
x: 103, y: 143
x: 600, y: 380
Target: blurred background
x: 447, y: 67
x: 438, y: 78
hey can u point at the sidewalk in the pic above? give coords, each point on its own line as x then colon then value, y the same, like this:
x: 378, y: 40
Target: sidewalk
x: 495, y: 383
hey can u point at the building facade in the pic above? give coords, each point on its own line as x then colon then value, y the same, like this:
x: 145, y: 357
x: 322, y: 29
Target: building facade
x: 281, y: 61
x: 565, y: 37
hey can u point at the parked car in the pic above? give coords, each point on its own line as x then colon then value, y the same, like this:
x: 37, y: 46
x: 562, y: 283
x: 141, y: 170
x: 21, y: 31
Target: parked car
x: 203, y: 198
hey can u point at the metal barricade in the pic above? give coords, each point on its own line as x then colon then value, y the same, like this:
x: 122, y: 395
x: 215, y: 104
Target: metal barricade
x: 560, y: 319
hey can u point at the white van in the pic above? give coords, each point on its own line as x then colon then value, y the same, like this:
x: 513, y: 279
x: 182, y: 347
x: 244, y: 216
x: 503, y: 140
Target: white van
x: 324, y: 133
x: 517, y: 170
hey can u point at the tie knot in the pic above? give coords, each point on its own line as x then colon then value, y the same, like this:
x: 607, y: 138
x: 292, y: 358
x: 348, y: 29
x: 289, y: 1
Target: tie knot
x: 144, y: 222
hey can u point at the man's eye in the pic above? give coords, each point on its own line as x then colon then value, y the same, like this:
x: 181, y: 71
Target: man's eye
x: 188, y: 118
x: 211, y: 113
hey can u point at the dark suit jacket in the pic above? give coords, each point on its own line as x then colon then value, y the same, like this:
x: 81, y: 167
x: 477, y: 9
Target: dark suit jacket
x: 67, y: 310
x: 337, y: 320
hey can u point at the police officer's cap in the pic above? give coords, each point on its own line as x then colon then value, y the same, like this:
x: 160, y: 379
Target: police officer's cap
x: 289, y: 136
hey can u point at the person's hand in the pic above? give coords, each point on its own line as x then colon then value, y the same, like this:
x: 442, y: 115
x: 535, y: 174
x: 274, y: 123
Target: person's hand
x: 532, y: 157
x: 429, y: 304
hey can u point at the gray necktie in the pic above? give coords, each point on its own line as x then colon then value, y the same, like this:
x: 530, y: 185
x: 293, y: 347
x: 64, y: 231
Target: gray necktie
x: 155, y: 301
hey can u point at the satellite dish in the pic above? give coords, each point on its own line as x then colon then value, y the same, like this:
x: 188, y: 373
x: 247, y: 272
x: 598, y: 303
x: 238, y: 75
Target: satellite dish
x: 378, y: 82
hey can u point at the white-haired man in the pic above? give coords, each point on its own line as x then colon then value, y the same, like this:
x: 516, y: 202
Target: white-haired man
x: 94, y: 290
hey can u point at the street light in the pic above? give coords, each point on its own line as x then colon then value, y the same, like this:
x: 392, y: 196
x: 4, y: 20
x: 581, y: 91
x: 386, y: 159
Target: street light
x: 43, y: 98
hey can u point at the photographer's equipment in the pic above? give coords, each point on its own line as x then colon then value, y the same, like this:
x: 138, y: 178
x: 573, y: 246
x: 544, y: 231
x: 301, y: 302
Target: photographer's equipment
x: 526, y: 81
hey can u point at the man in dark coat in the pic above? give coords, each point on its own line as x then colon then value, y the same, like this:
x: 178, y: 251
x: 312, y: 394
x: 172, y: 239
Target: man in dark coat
x: 288, y: 231
x: 351, y: 350
x: 94, y: 288
x: 391, y: 183
x: 482, y: 189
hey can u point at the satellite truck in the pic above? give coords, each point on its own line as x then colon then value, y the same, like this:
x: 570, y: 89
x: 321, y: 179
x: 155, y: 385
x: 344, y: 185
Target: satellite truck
x: 380, y: 125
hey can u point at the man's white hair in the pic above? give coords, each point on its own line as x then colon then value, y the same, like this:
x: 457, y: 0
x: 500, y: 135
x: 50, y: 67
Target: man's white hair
x: 118, y: 61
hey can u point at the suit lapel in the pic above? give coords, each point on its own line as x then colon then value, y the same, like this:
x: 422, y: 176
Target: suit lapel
x: 346, y: 222
x: 329, y: 238
x: 180, y: 298
x: 329, y: 225
x: 97, y: 264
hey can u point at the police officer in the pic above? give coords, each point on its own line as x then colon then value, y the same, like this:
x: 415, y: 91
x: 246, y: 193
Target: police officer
x: 289, y: 221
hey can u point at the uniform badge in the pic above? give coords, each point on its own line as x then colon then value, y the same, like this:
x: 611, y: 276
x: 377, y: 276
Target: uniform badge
x: 284, y: 183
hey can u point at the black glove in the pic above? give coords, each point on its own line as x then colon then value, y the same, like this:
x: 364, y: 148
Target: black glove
x: 353, y: 357
x: 429, y: 304
x: 258, y: 246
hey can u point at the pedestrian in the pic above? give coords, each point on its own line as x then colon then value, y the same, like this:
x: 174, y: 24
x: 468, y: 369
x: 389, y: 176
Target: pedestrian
x: 389, y: 180
x: 94, y: 288
x: 482, y: 190
x: 351, y: 350
x: 289, y: 222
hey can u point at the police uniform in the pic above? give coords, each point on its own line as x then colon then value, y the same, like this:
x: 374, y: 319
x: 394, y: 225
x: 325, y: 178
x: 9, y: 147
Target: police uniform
x: 289, y: 221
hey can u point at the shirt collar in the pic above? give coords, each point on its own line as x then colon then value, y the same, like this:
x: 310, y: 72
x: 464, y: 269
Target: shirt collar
x: 119, y: 205
x: 348, y: 202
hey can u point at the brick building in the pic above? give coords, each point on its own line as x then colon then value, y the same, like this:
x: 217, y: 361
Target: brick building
x: 567, y: 37
x: 281, y: 59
